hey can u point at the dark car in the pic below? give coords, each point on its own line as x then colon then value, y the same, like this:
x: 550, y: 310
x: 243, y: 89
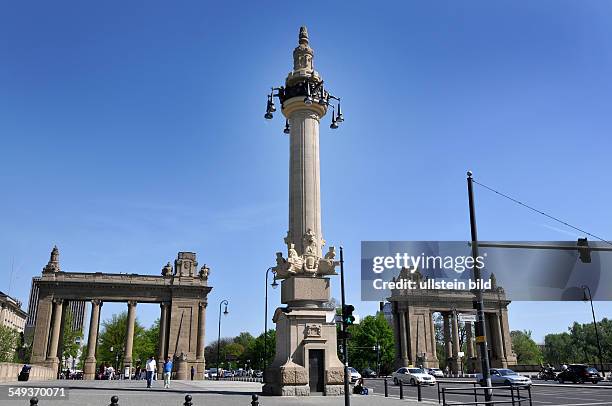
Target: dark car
x: 368, y: 373
x: 579, y: 373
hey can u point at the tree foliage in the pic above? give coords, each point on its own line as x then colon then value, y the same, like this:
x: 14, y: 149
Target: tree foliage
x: 71, y: 341
x: 113, y: 334
x: 372, y: 331
x: 579, y: 344
x: 527, y: 351
x: 241, y: 351
x: 9, y: 340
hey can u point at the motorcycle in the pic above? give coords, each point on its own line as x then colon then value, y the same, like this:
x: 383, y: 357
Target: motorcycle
x: 547, y: 373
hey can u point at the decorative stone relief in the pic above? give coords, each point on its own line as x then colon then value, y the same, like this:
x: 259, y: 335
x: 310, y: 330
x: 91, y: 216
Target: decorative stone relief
x: 313, y: 330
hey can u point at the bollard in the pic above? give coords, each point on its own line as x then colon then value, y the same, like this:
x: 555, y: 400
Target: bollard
x: 401, y: 389
x: 386, y: 388
x: 187, y: 400
x: 255, y: 401
x: 114, y: 401
x: 419, y: 397
x: 34, y: 401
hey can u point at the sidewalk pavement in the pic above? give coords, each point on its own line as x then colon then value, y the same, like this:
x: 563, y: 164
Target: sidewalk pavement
x: 208, y: 393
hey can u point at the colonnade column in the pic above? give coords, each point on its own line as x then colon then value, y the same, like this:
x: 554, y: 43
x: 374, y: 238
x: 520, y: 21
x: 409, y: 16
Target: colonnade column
x: 163, y: 339
x: 404, y: 339
x: 129, y: 336
x: 496, y: 331
x: 469, y: 337
x: 448, y: 344
x: 434, y: 347
x: 52, y: 359
x: 200, y: 345
x: 456, y: 347
x: 92, y: 340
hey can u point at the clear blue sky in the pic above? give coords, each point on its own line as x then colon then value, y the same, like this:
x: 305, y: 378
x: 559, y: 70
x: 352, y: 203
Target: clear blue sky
x: 133, y: 130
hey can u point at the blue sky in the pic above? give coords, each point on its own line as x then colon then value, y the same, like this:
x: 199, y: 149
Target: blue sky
x: 134, y: 130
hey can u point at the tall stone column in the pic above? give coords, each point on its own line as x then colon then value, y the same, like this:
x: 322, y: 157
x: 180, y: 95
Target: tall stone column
x: 434, y: 348
x: 498, y: 348
x: 448, y: 344
x: 129, y: 336
x: 52, y: 359
x: 200, y: 346
x: 404, y: 339
x: 163, y: 337
x: 92, y: 340
x: 470, y: 356
x: 41, y: 331
x: 456, y: 347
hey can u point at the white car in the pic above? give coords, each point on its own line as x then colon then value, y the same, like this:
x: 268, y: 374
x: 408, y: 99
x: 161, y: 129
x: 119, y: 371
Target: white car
x: 507, y: 377
x: 354, y: 374
x: 435, y: 372
x: 413, y: 376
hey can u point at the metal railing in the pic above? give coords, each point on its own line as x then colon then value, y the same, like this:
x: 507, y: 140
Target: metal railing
x: 515, y: 395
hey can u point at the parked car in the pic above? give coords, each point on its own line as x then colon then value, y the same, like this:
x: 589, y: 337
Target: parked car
x: 579, y: 373
x: 414, y: 376
x: 228, y: 374
x: 435, y: 372
x: 354, y: 374
x: 507, y: 377
x: 212, y: 373
x: 368, y: 373
x: 258, y: 374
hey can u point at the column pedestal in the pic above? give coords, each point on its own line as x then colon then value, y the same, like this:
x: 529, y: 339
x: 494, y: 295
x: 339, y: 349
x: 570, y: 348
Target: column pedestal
x: 302, y: 331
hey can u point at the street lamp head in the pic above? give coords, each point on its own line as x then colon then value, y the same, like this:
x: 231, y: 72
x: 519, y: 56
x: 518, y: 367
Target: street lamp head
x: 225, y: 312
x: 287, y: 129
x: 274, y: 283
x: 268, y: 116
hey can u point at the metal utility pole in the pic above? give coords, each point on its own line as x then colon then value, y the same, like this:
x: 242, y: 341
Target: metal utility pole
x: 347, y: 394
x: 481, y: 338
x: 585, y: 288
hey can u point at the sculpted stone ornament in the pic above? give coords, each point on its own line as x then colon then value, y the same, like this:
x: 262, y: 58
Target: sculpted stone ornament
x: 53, y: 264
x: 327, y: 265
x: 204, y: 272
x: 167, y: 270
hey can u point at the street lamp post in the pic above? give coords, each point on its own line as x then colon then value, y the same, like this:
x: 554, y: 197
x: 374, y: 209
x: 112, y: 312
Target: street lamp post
x: 265, y: 351
x: 225, y: 312
x: 586, y: 289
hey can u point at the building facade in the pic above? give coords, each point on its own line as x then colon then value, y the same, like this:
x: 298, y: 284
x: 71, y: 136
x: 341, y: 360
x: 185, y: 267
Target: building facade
x: 11, y: 314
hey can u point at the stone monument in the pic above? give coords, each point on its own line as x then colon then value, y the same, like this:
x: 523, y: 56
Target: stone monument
x: 306, y: 360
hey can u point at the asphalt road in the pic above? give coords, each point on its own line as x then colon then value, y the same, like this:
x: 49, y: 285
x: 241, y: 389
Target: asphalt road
x: 541, y: 394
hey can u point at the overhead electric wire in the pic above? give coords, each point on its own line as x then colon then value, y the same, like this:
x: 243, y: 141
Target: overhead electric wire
x: 565, y: 223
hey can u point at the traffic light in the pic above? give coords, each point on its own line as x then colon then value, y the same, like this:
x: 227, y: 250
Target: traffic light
x: 584, y: 250
x: 347, y: 314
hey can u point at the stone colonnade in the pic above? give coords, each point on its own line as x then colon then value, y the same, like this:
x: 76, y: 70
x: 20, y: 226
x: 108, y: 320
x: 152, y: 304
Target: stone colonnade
x: 416, y: 342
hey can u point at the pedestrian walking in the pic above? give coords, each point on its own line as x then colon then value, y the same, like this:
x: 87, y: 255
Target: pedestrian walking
x: 151, y: 368
x: 192, y: 372
x: 167, y: 372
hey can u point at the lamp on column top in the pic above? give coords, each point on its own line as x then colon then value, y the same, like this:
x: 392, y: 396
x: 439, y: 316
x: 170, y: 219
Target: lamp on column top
x: 334, y: 123
x: 304, y: 82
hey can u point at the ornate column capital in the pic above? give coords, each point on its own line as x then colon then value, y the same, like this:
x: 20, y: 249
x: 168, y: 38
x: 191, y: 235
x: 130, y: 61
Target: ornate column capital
x: 132, y: 303
x: 164, y: 304
x: 203, y: 304
x: 96, y: 302
x: 57, y: 300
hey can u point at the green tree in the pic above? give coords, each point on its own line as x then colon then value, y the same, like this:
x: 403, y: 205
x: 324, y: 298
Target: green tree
x: 255, y: 351
x: 112, y: 335
x: 71, y: 341
x: 372, y: 331
x: 527, y: 351
x: 9, y: 340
